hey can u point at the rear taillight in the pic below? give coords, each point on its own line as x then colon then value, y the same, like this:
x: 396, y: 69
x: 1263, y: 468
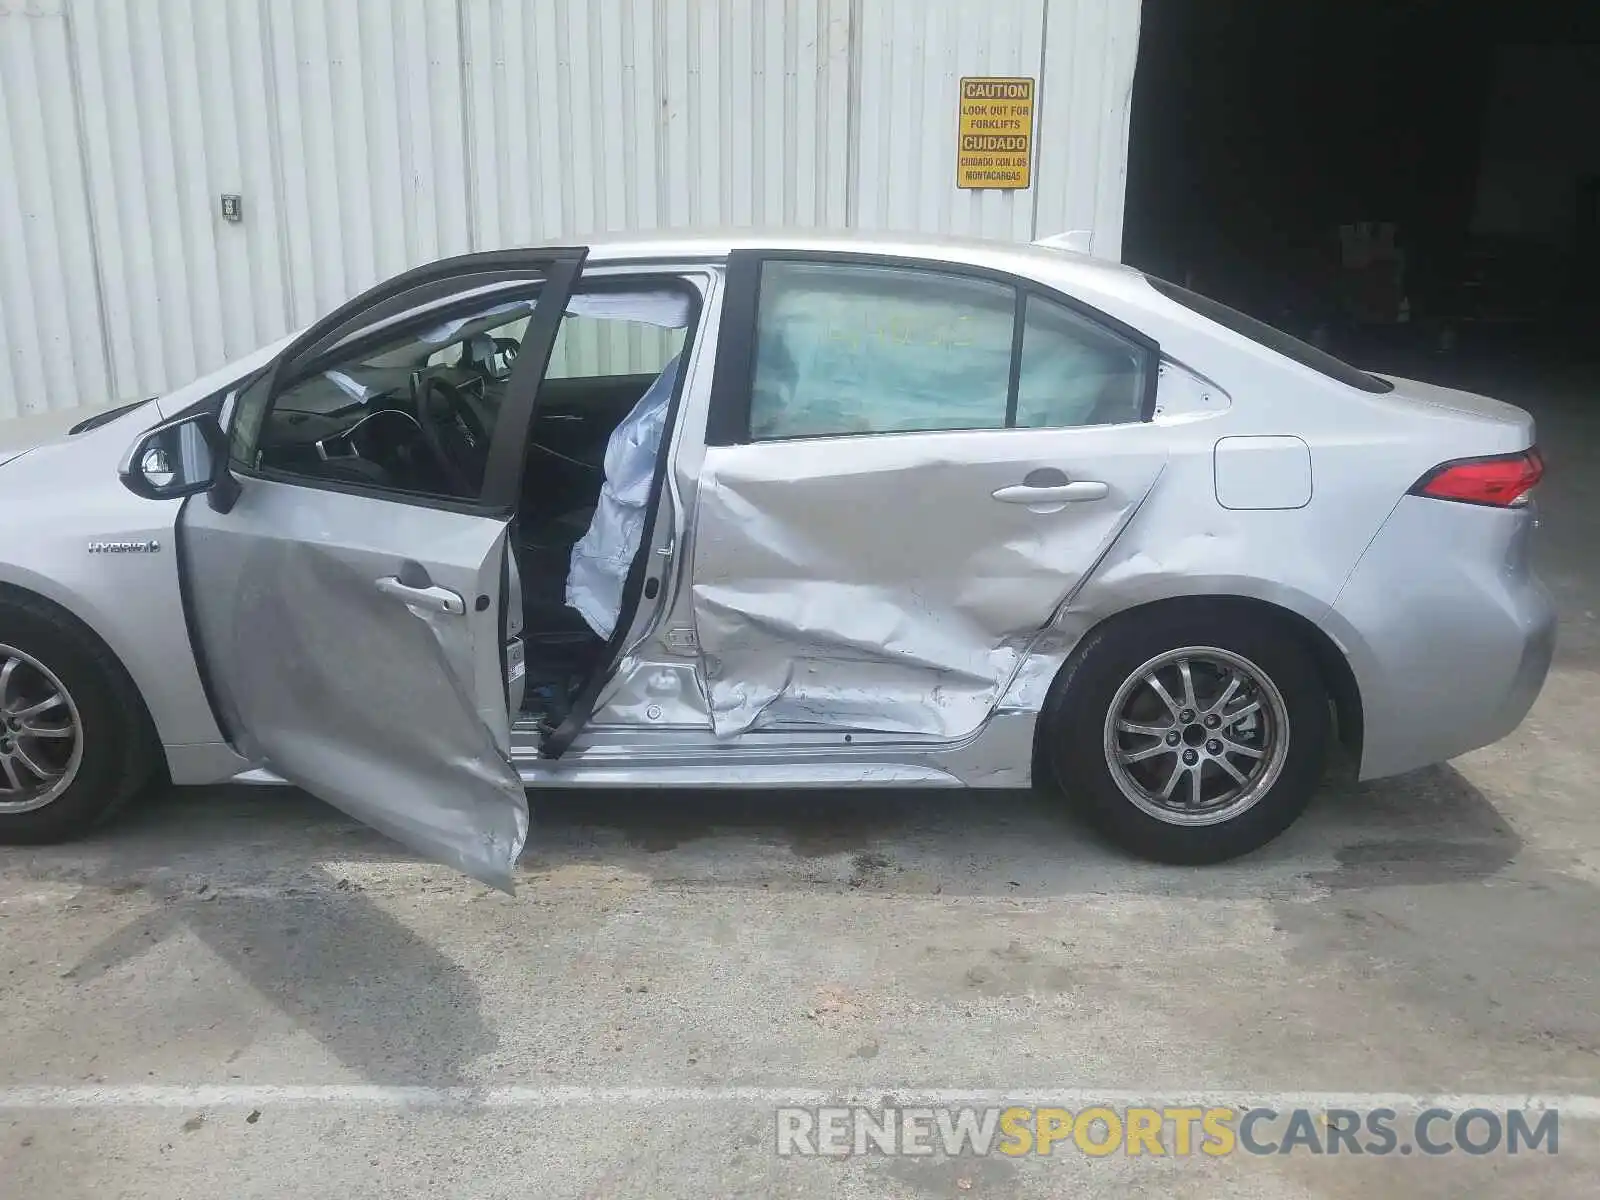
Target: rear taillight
x: 1499, y: 481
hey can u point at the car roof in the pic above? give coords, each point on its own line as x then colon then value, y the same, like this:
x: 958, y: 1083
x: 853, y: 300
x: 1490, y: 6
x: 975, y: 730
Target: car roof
x: 1017, y: 257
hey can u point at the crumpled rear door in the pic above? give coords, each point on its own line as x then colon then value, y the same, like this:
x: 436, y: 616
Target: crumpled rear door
x: 895, y: 584
x: 910, y: 468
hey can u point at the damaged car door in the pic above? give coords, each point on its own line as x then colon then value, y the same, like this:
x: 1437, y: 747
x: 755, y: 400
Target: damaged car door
x: 910, y: 467
x: 347, y: 574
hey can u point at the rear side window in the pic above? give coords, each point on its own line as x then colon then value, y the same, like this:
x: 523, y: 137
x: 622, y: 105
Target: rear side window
x: 850, y: 348
x: 858, y: 349
x: 1275, y: 340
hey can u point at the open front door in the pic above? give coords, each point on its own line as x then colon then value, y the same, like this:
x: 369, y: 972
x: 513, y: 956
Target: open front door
x: 347, y: 577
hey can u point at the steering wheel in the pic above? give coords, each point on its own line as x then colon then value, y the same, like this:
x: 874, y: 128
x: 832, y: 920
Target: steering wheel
x: 455, y: 434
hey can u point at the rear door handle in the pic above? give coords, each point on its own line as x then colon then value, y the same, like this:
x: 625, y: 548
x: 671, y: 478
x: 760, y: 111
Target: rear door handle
x: 1056, y: 493
x: 432, y: 598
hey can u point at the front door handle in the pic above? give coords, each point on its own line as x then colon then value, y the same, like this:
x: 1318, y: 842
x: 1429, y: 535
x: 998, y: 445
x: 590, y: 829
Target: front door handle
x: 1055, y: 493
x: 431, y: 599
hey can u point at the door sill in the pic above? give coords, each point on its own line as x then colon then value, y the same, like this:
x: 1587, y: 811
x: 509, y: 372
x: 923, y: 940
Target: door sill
x: 787, y: 776
x: 999, y: 755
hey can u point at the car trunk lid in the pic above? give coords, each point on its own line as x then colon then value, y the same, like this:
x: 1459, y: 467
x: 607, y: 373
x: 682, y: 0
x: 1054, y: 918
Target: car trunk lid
x: 1470, y: 424
x: 1453, y: 400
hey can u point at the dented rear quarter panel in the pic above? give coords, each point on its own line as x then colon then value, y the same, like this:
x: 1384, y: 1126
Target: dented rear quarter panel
x: 1367, y: 449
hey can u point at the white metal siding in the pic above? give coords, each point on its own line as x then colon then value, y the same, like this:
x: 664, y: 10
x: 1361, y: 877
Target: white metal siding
x: 50, y: 338
x: 1086, y: 79
x: 913, y: 55
x: 369, y: 135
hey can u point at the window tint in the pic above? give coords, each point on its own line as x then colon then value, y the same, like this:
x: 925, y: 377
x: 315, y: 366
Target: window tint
x: 1276, y: 340
x: 867, y: 349
x: 1075, y: 371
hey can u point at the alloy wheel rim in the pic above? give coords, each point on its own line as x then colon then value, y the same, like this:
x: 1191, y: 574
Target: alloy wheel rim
x: 41, y: 733
x: 1196, y: 736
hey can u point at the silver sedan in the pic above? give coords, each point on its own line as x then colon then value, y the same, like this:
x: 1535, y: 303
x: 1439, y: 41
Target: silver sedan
x: 768, y: 512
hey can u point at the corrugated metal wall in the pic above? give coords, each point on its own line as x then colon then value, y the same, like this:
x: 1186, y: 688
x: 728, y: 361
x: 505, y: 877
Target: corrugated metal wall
x: 369, y: 135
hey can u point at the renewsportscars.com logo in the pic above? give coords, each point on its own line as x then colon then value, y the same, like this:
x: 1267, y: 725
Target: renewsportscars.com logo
x: 1169, y: 1131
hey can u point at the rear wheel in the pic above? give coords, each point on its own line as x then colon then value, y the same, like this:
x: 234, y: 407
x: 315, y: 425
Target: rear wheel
x: 1189, y: 736
x: 74, y: 740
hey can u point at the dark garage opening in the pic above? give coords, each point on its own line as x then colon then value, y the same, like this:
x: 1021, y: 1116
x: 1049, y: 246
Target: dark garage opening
x: 1414, y: 184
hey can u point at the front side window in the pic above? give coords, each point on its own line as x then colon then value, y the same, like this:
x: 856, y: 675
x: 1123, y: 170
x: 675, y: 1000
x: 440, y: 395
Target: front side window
x: 866, y: 349
x: 413, y: 414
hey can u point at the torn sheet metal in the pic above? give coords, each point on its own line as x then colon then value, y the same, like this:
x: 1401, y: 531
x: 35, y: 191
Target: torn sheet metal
x: 382, y: 709
x: 877, y: 584
x: 602, y: 557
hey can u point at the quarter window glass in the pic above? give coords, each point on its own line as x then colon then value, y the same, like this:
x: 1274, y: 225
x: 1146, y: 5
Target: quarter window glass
x: 1075, y: 371
x: 857, y: 349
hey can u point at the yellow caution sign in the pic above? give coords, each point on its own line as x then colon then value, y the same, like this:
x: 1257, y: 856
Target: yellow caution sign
x: 995, y: 138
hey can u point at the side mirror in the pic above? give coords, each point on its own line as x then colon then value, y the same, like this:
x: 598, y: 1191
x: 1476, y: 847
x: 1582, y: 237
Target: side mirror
x: 181, y: 458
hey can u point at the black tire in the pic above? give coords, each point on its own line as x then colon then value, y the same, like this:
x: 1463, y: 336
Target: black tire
x: 120, y: 755
x: 1073, y: 727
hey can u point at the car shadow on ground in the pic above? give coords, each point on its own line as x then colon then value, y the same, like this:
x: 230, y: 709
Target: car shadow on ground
x: 385, y: 1003
x: 295, y: 899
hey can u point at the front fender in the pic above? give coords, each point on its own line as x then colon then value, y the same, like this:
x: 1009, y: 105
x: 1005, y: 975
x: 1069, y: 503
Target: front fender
x: 55, y: 502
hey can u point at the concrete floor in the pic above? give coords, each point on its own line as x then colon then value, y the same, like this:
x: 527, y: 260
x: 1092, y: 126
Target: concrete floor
x: 276, y: 978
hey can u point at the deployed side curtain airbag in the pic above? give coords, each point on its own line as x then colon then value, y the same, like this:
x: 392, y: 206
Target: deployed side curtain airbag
x: 601, y: 559
x: 668, y: 309
x: 858, y: 349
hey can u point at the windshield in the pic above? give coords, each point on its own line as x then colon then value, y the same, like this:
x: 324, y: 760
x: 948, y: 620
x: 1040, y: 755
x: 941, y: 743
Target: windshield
x: 106, y: 417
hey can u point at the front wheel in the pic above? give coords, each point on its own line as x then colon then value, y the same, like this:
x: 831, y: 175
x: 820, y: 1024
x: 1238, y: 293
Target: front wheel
x: 1189, y: 736
x: 74, y: 741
